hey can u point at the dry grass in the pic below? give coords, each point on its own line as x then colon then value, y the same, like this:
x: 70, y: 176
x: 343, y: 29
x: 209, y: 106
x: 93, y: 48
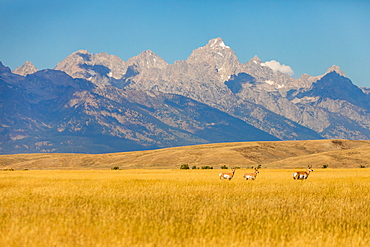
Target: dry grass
x: 184, y: 208
x: 284, y: 154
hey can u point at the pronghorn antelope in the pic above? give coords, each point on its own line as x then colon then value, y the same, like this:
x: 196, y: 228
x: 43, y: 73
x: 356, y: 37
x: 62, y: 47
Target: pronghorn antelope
x: 251, y: 176
x: 227, y: 175
x: 302, y: 175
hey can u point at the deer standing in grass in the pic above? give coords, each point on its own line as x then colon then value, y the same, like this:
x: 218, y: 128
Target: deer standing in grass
x: 227, y: 175
x: 251, y: 176
x: 302, y: 175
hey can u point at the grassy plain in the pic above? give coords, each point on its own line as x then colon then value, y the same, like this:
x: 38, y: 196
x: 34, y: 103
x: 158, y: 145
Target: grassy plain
x: 282, y: 154
x: 173, y: 207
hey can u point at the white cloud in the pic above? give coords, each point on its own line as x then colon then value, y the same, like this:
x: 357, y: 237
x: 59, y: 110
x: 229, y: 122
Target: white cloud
x: 276, y: 66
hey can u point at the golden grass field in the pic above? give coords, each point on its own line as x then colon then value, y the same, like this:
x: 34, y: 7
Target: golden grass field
x: 77, y: 200
x: 282, y: 154
x: 173, y: 207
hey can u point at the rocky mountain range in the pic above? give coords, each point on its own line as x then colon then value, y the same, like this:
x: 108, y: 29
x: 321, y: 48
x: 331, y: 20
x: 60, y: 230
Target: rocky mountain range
x: 96, y: 103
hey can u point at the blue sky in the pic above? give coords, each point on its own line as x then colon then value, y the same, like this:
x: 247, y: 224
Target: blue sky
x: 309, y: 36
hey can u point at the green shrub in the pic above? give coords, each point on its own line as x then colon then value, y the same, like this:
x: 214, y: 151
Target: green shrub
x: 224, y: 167
x: 207, y: 167
x: 115, y: 168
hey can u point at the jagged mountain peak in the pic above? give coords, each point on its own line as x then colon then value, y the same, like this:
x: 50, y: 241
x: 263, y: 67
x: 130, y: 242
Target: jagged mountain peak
x: 148, y: 54
x: 77, y: 57
x: 147, y: 59
x: 72, y: 64
x: 336, y: 69
x: 82, y: 64
x: 26, y: 69
x: 217, y: 43
x: 217, y: 56
x: 256, y: 60
x: 337, y: 87
x: 28, y: 63
x: 82, y: 51
x: 83, y: 54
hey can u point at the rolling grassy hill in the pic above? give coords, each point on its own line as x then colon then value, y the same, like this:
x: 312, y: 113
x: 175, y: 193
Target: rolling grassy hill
x: 279, y: 154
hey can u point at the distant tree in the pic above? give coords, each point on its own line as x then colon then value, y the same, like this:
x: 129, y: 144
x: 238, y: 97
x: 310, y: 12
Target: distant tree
x: 194, y: 167
x: 325, y: 166
x: 224, y: 167
x: 207, y: 167
x: 8, y: 169
x: 115, y: 168
x: 184, y: 166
